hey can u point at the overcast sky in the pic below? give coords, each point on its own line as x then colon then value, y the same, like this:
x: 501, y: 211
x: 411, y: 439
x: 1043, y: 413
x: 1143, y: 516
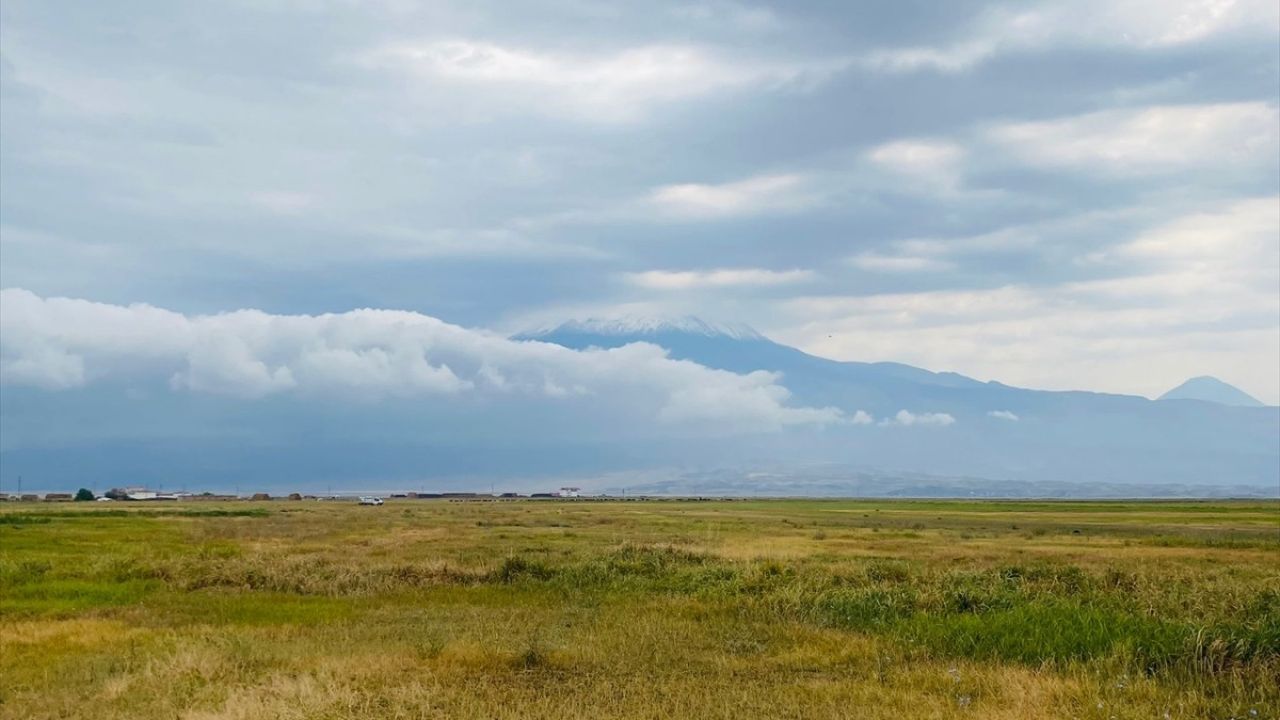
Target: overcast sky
x: 1055, y: 195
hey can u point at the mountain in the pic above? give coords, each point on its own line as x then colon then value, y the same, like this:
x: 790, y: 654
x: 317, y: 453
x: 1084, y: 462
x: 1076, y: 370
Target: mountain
x: 1211, y: 389
x: 741, y: 349
x: 948, y: 424
x: 846, y: 481
x: 904, y: 431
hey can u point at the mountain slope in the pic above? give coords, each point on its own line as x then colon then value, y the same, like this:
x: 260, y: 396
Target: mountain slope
x: 737, y: 348
x: 995, y: 430
x: 1211, y: 389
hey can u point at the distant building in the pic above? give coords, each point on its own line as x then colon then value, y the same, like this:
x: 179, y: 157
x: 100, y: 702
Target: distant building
x: 570, y: 492
x: 57, y: 497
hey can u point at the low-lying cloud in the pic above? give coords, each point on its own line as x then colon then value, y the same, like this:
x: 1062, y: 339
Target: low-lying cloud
x: 368, y: 355
x: 906, y: 418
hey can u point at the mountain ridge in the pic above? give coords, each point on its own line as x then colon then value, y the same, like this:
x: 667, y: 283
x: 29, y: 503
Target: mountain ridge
x: 995, y: 431
x: 643, y: 324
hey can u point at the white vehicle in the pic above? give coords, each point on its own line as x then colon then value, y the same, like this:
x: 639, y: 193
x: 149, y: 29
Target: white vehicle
x: 370, y: 501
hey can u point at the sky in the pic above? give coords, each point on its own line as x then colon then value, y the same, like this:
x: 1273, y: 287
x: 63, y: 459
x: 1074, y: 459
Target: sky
x: 1054, y: 195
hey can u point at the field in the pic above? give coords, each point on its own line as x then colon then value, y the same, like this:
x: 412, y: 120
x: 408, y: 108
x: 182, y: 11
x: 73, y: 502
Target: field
x: 657, y: 609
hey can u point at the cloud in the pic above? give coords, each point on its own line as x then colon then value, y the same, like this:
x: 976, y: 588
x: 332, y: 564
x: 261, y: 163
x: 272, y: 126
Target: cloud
x: 906, y: 418
x: 1003, y: 415
x: 1239, y: 238
x: 491, y: 167
x: 927, y: 159
x: 400, y: 242
x: 612, y: 87
x: 1151, y: 139
x: 875, y: 262
x: 931, y: 167
x: 283, y: 202
x: 695, y: 279
x: 763, y: 195
x: 1194, y: 292
x: 759, y: 195
x: 368, y: 355
x: 1144, y: 25
x: 950, y: 59
x: 745, y: 17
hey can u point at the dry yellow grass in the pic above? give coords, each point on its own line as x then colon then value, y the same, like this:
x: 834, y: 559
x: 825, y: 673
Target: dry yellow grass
x: 781, y: 609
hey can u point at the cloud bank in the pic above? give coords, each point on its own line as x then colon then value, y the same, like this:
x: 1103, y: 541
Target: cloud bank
x: 61, y: 343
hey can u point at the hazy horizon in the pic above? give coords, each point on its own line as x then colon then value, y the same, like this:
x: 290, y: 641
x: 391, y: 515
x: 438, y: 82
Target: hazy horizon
x: 295, y: 239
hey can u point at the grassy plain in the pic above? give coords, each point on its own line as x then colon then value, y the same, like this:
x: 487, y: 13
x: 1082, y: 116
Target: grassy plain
x: 672, y: 609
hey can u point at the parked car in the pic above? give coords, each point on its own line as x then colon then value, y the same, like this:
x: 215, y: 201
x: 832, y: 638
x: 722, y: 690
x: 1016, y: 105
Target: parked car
x: 370, y: 501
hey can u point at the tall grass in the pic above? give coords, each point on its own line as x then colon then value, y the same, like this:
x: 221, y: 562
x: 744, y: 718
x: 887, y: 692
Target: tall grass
x: 717, y: 601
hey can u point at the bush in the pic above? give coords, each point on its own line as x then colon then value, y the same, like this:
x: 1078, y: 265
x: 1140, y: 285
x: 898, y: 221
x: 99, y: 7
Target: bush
x: 84, y: 495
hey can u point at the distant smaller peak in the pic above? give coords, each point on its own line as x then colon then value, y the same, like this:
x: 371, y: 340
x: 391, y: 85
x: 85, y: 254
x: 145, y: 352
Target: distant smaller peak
x: 641, y: 325
x: 1210, y: 389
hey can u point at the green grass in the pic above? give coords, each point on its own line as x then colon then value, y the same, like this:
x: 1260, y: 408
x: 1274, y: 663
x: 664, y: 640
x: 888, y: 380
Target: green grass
x: 655, y: 609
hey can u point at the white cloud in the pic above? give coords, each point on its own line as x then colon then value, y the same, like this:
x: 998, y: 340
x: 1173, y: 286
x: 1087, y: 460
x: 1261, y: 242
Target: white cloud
x: 951, y: 58
x: 1238, y: 238
x: 1150, y: 139
x: 875, y: 262
x: 927, y: 159
x: 61, y: 343
x: 928, y: 166
x: 861, y: 417
x: 1137, y: 24
x: 1195, y: 295
x: 727, y: 277
x: 905, y: 418
x: 1142, y: 23
x: 759, y: 195
x: 621, y: 86
x: 1003, y: 415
